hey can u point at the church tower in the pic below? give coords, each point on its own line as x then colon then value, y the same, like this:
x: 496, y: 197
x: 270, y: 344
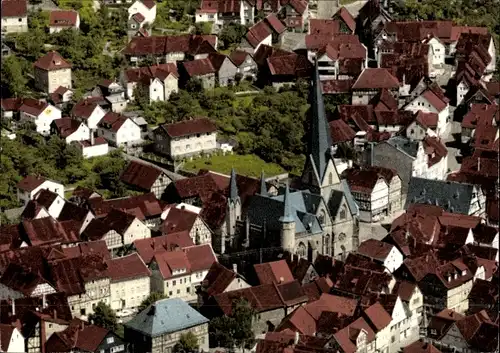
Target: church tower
x: 287, y: 232
x: 319, y: 174
x: 233, y: 212
x: 263, y: 186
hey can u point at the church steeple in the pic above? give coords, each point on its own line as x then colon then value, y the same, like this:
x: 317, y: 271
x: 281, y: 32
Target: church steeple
x: 320, y: 140
x: 263, y: 186
x: 233, y: 188
x: 287, y: 211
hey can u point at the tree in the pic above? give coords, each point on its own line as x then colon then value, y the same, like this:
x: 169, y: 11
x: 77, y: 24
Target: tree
x: 202, y: 28
x: 232, y: 34
x: 152, y: 298
x: 13, y: 77
x: 188, y: 343
x: 104, y: 316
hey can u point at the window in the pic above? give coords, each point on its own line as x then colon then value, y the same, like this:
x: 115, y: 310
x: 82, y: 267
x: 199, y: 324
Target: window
x: 188, y: 290
x: 20, y: 20
x: 178, y: 291
x: 110, y: 340
x: 330, y: 179
x: 174, y: 282
x: 170, y: 293
x: 302, y: 250
x: 343, y: 212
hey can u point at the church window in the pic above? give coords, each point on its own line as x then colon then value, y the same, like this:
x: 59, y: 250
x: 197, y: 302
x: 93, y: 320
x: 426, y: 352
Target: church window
x: 327, y: 244
x: 341, y: 236
x: 343, y: 212
x: 330, y: 179
x: 321, y: 217
x: 301, y: 250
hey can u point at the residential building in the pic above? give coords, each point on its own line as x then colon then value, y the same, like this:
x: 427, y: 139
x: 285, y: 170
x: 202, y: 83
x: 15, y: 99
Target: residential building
x: 28, y: 187
x: 179, y: 273
x: 186, y: 138
x: 129, y: 281
x: 147, y: 248
x: 50, y: 201
x: 119, y: 130
x: 145, y: 177
x: 342, y: 58
x: 295, y: 15
x: 80, y: 336
x: 146, y: 8
x: 179, y: 219
x: 59, y: 20
x: 421, y: 346
x: 12, y: 339
x: 125, y: 229
x: 14, y: 16
x: 42, y: 114
x: 51, y: 72
x: 112, y: 93
x: 160, y: 81
x: 61, y: 97
x: 267, y: 31
x: 88, y: 111
x: 386, y: 254
x: 245, y: 64
x: 223, y: 12
x: 70, y: 129
x: 201, y: 69
x: 285, y: 69
x: 159, y: 327
x: 225, y: 69
x: 425, y: 124
x: 96, y: 146
x: 370, y: 82
x: 273, y: 272
x: 478, y: 115
x: 413, y: 302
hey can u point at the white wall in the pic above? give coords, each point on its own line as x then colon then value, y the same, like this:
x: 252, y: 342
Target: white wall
x: 380, y: 195
x: 94, y: 151
x: 56, y: 207
x: 394, y: 260
x: 462, y: 90
x: 420, y: 103
x: 43, y: 121
x: 138, y: 6
x: 15, y: 24
x: 132, y: 291
x: 129, y: 133
x: 267, y: 41
x: 48, y: 184
x: 137, y: 230
x: 81, y: 134
x: 438, y: 51
x: 16, y: 343
x: 192, y: 144
x: 95, y: 117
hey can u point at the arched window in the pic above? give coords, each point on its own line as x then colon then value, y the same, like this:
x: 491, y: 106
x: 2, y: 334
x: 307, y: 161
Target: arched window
x: 322, y: 216
x: 327, y: 244
x: 301, y: 250
x: 343, y: 212
x: 330, y: 179
x: 341, y: 237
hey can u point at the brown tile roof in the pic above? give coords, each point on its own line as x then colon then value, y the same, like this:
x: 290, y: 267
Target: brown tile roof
x: 87, y: 248
x: 61, y: 18
x: 119, y: 220
x: 273, y: 272
x: 238, y: 57
x: 362, y: 180
x: 21, y: 279
x: 421, y: 347
x: 324, y: 26
x: 85, y: 107
x: 346, y: 337
x: 375, y: 249
x: 30, y: 183
x: 127, y: 268
x: 112, y: 121
x: 257, y: 33
x: 161, y: 71
x: 478, y: 113
x: 77, y: 336
x: 148, y: 247
x: 376, y: 79
x: 33, y: 106
x: 217, y: 279
x: 6, y: 332
x: 11, y: 104
x: 266, y: 51
x: 161, y: 45
x: 148, y: 204
x: 378, y: 316
x: 384, y: 101
x: 396, y: 117
x: 340, y: 131
x: 52, y: 61
x: 427, y: 120
x: 275, y: 23
x: 298, y: 5
x: 66, y: 126
x: 140, y: 175
x: 346, y: 16
x: 190, y: 127
x: 435, y: 150
x: 289, y: 65
x: 192, y: 259
x: 48, y: 231
x: 10, y: 237
x: 14, y: 8
x: 199, y: 67
x: 178, y: 220
x: 435, y: 100
x: 336, y: 86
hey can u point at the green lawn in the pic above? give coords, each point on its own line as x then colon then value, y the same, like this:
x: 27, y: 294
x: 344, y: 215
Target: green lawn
x: 249, y: 165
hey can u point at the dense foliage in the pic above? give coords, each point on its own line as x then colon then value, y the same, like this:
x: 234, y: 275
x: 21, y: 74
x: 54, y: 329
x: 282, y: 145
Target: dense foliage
x: 104, y: 316
x: 152, y: 298
x: 232, y: 34
x: 188, y: 343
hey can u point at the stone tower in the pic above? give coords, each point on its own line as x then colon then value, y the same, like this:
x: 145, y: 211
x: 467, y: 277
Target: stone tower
x: 233, y: 212
x: 287, y: 232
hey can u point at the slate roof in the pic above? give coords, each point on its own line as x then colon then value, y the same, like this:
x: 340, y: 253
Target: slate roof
x: 52, y: 61
x: 140, y: 175
x: 452, y: 196
x: 166, y: 316
x: 405, y: 145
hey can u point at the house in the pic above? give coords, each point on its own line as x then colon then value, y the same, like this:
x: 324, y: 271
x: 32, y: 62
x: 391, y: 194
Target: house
x: 412, y: 158
x: 94, y: 147
x: 178, y: 273
x: 223, y: 12
x: 454, y: 197
x: 61, y: 97
x: 180, y: 219
x: 14, y: 16
x: 170, y: 49
x: 478, y: 115
x: 70, y: 129
x: 484, y: 296
x: 267, y: 31
x: 273, y: 272
x: 145, y: 8
x: 81, y: 336
x: 413, y: 301
x: 295, y: 15
x: 186, y: 138
x: 16, y: 282
x: 113, y: 94
x: 372, y: 81
x: 160, y: 81
x: 50, y: 201
x: 119, y: 130
x: 219, y: 280
x: 6, y: 50
x: 245, y: 64
x: 88, y: 111
x: 433, y: 100
x: 51, y: 72
x: 12, y: 339
x: 145, y: 177
x: 421, y: 346
x: 29, y: 186
x: 286, y: 69
x: 10, y: 107
x: 384, y: 253
x: 201, y: 69
x: 343, y: 58
x: 225, y: 69
x: 42, y: 114
x: 125, y: 229
x: 425, y: 124
x: 347, y: 23
x: 129, y: 281
x: 59, y: 20
x: 147, y: 248
x: 160, y: 326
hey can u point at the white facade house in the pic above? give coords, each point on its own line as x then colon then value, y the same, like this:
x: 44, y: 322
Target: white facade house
x: 40, y: 113
x: 462, y: 88
x: 60, y: 20
x: 384, y: 253
x: 119, y: 130
x: 70, y: 130
x: 94, y: 147
x: 146, y: 8
x: 31, y: 185
x: 241, y: 12
x: 160, y: 90
x: 51, y: 202
x: 14, y: 16
x: 12, y: 339
x: 159, y: 80
x: 437, y: 51
x: 82, y: 133
x: 428, y: 102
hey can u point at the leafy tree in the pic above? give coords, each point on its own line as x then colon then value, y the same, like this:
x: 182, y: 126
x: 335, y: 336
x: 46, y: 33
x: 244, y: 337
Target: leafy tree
x: 13, y: 76
x: 152, y: 298
x: 194, y: 85
x: 104, y: 316
x: 202, y: 28
x: 188, y: 343
x: 232, y: 34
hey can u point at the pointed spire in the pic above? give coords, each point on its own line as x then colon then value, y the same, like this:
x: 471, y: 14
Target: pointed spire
x: 263, y: 186
x: 287, y: 213
x: 320, y: 140
x: 233, y: 189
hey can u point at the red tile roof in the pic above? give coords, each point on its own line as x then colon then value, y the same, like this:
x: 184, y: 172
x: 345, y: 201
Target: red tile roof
x: 192, y: 259
x: 376, y: 79
x: 169, y: 242
x: 138, y: 17
x: 87, y: 248
x: 190, y: 127
x: 434, y: 100
x: 273, y: 272
x: 6, y: 332
x: 421, y: 347
x: 78, y: 336
x: 238, y: 57
x: 346, y: 337
x: 375, y: 249
x: 141, y: 175
x: 427, y: 120
x: 61, y: 18
x: 52, y: 61
x: 84, y: 108
x: 149, y: 72
x: 378, y: 316
x: 14, y: 8
x: 298, y: 5
x: 324, y: 26
x: 30, y: 183
x: 11, y: 104
x: 222, y: 6
x: 435, y: 150
x: 346, y: 16
x: 478, y: 113
x: 217, y: 279
x: 48, y: 231
x: 340, y: 131
x: 66, y: 126
x: 33, y: 106
x: 266, y: 51
x: 275, y: 23
x: 289, y: 65
x: 199, y: 67
x: 336, y: 86
x: 112, y: 121
x: 161, y: 45
x: 257, y: 33
x: 97, y: 141
x: 149, y: 3
x: 178, y: 220
x: 127, y: 268
x: 362, y: 180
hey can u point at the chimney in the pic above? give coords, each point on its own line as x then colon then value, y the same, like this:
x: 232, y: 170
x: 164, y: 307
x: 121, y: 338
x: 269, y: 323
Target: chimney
x: 92, y: 141
x: 44, y: 301
x: 235, y: 268
x: 455, y: 276
x: 13, y: 307
x: 297, y: 337
x: 282, y: 279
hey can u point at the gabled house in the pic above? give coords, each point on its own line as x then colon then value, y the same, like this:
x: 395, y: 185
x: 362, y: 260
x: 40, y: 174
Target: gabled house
x: 42, y: 114
x: 14, y: 16
x: 386, y: 254
x: 60, y: 20
x: 225, y: 69
x: 245, y: 64
x: 479, y: 114
x: 221, y: 12
x: 16, y: 282
x: 201, y: 69
x: 145, y: 177
x: 70, y: 129
x: 61, y: 97
x: 425, y: 124
x: 94, y: 147
x: 144, y: 8
x: 113, y: 94
x: 126, y: 228
x: 29, y: 186
x: 147, y: 248
x: 273, y: 272
x: 295, y: 15
x: 267, y: 31
x: 186, y: 138
x: 88, y: 111
x: 286, y: 69
x: 119, y: 130
x: 370, y: 82
x: 50, y: 201
x: 180, y: 219
x: 347, y: 23
x: 12, y: 339
x: 51, y: 72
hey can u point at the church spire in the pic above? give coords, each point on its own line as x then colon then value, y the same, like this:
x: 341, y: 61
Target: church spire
x: 320, y: 140
x: 233, y: 189
x: 263, y: 186
x: 287, y: 212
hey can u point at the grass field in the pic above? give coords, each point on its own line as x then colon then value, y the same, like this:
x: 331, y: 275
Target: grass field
x: 249, y: 165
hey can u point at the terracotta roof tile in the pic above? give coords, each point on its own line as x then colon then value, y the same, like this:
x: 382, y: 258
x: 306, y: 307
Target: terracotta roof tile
x: 127, y: 268
x: 266, y: 51
x: 66, y: 126
x: 375, y: 249
x: 140, y: 175
x: 421, y: 347
x: 52, y: 61
x: 199, y: 67
x: 178, y: 220
x: 324, y: 26
x: 112, y: 121
x: 376, y: 79
x: 14, y: 8
x: 150, y: 72
x: 340, y: 131
x: 346, y: 337
x: 87, y: 248
x: 217, y: 279
x: 378, y: 316
x: 77, y: 336
x: 298, y: 5
x: 362, y: 180
x: 238, y: 57
x: 435, y: 150
x: 275, y: 23
x: 427, y: 120
x: 257, y: 33
x: 30, y: 183
x: 289, y: 65
x: 190, y: 127
x: 33, y: 106
x: 160, y: 45
x: 346, y: 16
x: 336, y: 86
x: 61, y: 18
x: 273, y: 272
x: 11, y: 104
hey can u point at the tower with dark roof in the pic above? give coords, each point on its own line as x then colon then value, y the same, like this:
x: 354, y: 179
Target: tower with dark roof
x: 287, y: 232
x: 319, y: 174
x: 233, y: 213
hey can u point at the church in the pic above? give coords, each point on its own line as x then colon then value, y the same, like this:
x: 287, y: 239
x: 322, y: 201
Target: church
x: 311, y: 214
